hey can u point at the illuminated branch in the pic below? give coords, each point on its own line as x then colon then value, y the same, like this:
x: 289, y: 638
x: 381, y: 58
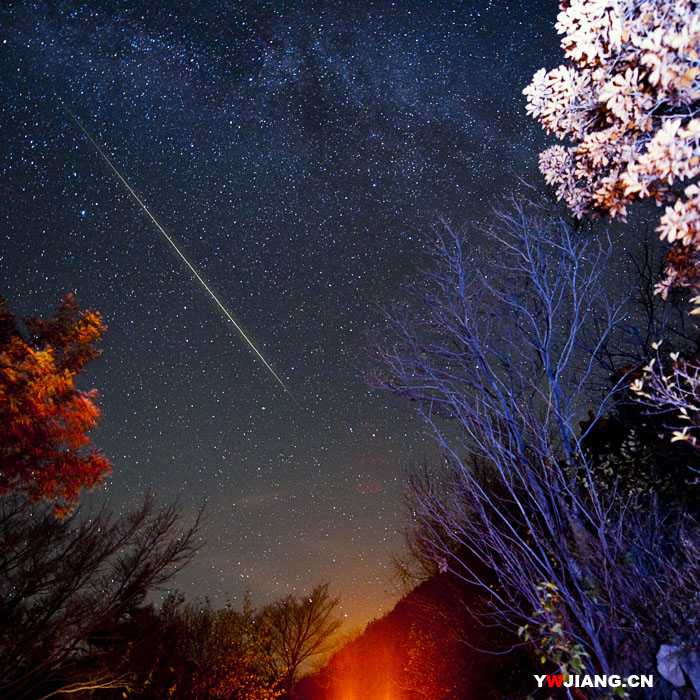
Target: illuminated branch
x: 500, y: 357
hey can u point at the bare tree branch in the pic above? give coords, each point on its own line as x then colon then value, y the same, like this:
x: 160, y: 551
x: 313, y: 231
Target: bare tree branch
x: 301, y: 628
x: 500, y: 357
x: 64, y: 584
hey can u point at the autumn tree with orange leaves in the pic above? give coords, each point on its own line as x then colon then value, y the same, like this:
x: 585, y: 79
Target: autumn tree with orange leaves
x: 239, y: 663
x: 45, y: 452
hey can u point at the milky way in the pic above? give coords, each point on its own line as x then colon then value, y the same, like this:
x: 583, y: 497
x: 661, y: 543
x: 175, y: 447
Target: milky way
x: 301, y: 153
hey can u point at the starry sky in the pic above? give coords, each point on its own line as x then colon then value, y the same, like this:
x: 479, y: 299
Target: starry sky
x: 299, y: 152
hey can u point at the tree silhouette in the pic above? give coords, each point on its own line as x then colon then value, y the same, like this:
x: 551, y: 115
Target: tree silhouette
x: 66, y: 586
x: 301, y: 628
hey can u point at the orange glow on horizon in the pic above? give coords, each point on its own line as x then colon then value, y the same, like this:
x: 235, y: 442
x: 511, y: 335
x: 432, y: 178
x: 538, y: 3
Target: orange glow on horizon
x: 363, y: 676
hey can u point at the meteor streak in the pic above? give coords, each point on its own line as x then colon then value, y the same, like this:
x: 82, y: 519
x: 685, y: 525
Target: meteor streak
x: 175, y: 247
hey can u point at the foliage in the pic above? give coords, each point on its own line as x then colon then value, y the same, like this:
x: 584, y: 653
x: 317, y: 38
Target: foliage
x: 629, y: 103
x: 192, y: 651
x: 673, y: 391
x: 239, y: 665
x: 44, y: 449
x: 634, y: 461
x: 162, y: 648
x: 552, y: 642
x: 66, y: 586
x: 446, y: 650
x: 553, y: 647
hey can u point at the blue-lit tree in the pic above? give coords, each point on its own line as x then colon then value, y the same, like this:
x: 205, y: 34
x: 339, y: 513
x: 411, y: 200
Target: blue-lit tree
x: 504, y: 360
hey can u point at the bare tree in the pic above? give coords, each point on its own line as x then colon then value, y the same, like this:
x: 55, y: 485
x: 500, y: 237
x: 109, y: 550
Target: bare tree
x: 301, y: 628
x: 65, y: 586
x: 500, y: 356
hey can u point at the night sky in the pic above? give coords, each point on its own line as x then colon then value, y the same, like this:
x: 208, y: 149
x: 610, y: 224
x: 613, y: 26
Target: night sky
x: 299, y: 153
